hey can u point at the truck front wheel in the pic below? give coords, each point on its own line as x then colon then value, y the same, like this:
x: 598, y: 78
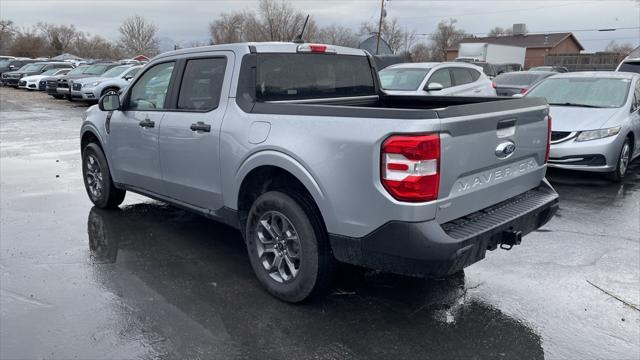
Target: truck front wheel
x: 288, y: 247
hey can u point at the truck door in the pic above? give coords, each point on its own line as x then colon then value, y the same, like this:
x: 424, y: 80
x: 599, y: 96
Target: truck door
x: 190, y: 134
x: 133, y: 132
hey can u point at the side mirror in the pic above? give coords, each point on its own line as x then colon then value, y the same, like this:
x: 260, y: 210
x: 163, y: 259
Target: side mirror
x: 11, y: 67
x: 128, y: 77
x: 434, y: 87
x: 109, y: 102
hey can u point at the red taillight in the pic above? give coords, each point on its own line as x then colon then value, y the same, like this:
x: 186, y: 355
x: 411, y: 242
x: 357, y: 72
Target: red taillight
x: 546, y: 155
x: 411, y: 167
x: 523, y: 91
x: 317, y: 48
x: 493, y: 84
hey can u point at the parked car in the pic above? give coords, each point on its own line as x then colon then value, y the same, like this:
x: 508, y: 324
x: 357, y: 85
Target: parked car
x: 32, y: 82
x: 487, y: 68
x: 512, y: 83
x: 630, y: 64
x: 558, y: 69
x: 5, y: 57
x: 96, y: 69
x: 12, y: 78
x: 298, y: 148
x: 506, y: 68
x: 114, y: 80
x: 13, y: 64
x: 51, y: 83
x: 460, y: 79
x: 596, y: 122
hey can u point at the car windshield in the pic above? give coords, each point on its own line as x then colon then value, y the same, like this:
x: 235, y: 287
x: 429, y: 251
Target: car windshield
x: 629, y: 66
x: 519, y: 78
x: 587, y: 92
x: 96, y: 69
x: 402, y: 78
x: 5, y: 63
x: 50, y: 72
x: 116, y: 71
x: 32, y: 67
x: 78, y: 70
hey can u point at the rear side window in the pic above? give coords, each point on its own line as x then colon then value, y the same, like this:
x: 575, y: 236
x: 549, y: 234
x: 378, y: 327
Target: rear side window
x: 441, y: 77
x: 475, y: 75
x: 202, y: 84
x: 310, y: 76
x: 461, y: 76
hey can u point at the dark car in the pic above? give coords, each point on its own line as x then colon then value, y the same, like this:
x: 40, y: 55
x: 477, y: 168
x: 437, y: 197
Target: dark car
x: 487, y: 68
x: 96, y: 69
x: 12, y: 78
x: 7, y: 65
x: 509, y: 84
x: 507, y: 68
x: 557, y: 69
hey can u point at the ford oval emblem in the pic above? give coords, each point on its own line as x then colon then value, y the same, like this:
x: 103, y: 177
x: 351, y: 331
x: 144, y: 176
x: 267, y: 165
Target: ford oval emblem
x: 505, y: 149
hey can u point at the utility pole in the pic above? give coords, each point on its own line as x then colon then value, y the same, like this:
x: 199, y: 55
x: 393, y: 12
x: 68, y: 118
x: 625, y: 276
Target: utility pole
x: 382, y: 14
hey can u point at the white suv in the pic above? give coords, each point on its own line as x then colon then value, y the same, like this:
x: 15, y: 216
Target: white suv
x: 458, y: 79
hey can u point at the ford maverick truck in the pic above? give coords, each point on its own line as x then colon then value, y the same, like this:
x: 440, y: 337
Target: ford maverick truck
x: 296, y: 146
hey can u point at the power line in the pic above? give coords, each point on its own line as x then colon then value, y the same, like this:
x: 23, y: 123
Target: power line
x: 555, y: 31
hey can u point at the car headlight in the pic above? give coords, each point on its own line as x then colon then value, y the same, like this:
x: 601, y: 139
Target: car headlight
x: 598, y: 134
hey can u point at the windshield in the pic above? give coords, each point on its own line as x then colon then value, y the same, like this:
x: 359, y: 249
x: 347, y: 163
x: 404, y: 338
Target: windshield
x: 311, y: 76
x: 50, y: 72
x: 402, y: 78
x: 78, y: 70
x: 116, y: 71
x: 633, y: 67
x: 519, y: 78
x: 5, y: 63
x: 588, y: 92
x: 32, y: 67
x: 96, y: 69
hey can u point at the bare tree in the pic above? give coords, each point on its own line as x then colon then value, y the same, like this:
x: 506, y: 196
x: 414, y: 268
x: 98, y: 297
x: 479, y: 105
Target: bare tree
x: 59, y: 37
x: 503, y: 31
x: 445, y: 37
x: 391, y: 32
x: 337, y: 35
x: 274, y: 20
x: 138, y: 36
x: 28, y: 43
x: 421, y: 52
x: 7, y: 32
x: 615, y: 47
x: 95, y: 47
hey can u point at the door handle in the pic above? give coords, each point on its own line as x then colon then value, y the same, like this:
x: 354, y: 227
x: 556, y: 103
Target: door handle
x: 200, y: 126
x: 146, y: 123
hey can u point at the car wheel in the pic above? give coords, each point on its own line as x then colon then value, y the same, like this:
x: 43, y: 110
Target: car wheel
x: 288, y: 247
x: 623, y: 162
x: 97, y: 179
x: 109, y: 91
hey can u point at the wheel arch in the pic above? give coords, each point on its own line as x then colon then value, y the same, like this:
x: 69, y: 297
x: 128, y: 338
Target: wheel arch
x: 270, y: 170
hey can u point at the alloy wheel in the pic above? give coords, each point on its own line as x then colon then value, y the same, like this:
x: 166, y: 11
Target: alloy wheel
x: 624, y: 158
x: 278, y: 246
x: 93, y: 176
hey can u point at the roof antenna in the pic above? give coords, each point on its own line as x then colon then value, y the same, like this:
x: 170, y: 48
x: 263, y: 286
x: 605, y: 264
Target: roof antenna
x: 298, y: 39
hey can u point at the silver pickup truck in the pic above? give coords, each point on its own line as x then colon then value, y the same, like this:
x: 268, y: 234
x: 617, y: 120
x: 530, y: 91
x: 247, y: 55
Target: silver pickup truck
x: 296, y: 146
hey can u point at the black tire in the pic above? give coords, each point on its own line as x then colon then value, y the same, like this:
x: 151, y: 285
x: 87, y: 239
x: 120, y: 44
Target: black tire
x: 314, y: 257
x: 108, y: 90
x: 104, y: 195
x: 624, y: 158
x: 58, y: 97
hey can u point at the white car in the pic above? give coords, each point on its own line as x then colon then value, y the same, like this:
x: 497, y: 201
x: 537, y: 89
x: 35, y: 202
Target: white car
x: 31, y: 82
x: 439, y: 79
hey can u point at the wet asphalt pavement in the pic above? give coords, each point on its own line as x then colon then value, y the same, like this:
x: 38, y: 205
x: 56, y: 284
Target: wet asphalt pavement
x: 152, y: 281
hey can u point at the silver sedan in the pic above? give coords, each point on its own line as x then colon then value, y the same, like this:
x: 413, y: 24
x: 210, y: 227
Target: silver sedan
x: 595, y: 120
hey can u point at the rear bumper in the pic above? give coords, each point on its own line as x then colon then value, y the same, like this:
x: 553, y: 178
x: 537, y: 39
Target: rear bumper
x: 436, y: 250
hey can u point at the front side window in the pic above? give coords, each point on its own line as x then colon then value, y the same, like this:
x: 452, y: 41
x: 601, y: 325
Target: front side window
x: 132, y: 72
x: 402, y: 78
x: 461, y: 76
x: 150, y: 91
x: 441, y: 77
x: 312, y: 76
x: 202, y: 84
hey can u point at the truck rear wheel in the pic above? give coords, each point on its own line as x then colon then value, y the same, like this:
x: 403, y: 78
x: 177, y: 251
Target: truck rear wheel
x: 97, y: 179
x: 288, y: 247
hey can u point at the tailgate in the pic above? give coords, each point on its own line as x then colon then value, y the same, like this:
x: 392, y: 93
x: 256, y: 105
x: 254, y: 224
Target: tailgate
x: 490, y: 152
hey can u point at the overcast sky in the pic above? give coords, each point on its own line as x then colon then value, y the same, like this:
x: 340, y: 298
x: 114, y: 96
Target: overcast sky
x: 186, y: 21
